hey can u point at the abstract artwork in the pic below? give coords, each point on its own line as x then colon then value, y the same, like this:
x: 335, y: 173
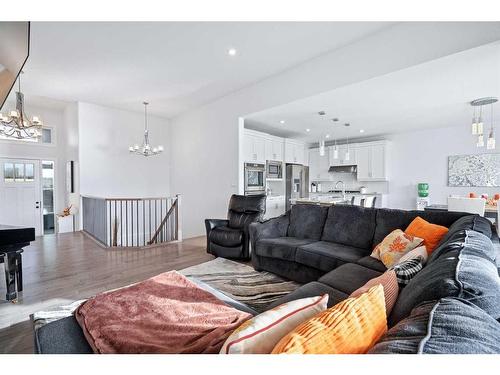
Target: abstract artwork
x: 474, y: 170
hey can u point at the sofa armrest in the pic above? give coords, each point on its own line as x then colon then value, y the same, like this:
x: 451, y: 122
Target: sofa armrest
x: 272, y: 228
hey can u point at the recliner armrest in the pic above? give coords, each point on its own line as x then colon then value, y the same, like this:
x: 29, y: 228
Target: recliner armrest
x: 214, y: 223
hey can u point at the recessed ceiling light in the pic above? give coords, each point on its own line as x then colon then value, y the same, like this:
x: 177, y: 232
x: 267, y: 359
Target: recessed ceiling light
x: 347, y: 124
x: 308, y: 130
x: 327, y: 136
x: 282, y: 121
x: 321, y: 113
x: 361, y: 130
x: 232, y: 51
x: 335, y: 119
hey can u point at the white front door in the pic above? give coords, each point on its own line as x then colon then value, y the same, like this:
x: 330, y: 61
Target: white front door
x: 20, y: 200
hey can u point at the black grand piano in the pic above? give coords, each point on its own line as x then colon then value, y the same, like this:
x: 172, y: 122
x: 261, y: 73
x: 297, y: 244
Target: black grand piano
x: 12, y: 241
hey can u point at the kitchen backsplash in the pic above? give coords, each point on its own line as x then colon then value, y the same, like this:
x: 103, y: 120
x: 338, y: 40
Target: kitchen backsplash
x: 351, y: 183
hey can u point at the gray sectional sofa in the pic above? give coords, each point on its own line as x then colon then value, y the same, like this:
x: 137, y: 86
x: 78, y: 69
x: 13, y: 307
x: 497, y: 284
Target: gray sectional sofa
x: 328, y: 249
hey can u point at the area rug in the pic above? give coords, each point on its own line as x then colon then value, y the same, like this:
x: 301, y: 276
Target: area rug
x: 241, y: 282
x: 237, y: 280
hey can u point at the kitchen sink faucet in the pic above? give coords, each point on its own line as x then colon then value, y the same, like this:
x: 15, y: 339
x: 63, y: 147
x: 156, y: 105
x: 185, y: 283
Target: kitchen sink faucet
x: 343, y: 188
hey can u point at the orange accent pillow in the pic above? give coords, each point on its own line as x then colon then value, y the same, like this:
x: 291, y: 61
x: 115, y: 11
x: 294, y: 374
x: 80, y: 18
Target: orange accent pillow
x: 389, y: 282
x: 394, y: 246
x: 431, y: 233
x: 350, y: 327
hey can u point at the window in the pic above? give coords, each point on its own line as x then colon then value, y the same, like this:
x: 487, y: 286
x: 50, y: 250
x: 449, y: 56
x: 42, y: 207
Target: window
x: 48, y: 196
x: 47, y: 137
x: 19, y: 172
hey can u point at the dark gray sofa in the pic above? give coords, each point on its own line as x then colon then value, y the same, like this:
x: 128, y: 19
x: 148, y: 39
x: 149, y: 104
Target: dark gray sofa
x: 432, y: 314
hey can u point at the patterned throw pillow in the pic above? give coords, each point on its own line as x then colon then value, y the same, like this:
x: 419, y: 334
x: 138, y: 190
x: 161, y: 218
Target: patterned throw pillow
x: 420, y: 251
x: 260, y: 334
x: 389, y: 282
x: 394, y: 246
x: 407, y: 270
x: 350, y: 327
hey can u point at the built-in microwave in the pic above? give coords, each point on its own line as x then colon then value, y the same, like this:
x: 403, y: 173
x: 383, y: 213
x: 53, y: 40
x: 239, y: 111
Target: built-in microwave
x: 274, y: 169
x: 255, y: 179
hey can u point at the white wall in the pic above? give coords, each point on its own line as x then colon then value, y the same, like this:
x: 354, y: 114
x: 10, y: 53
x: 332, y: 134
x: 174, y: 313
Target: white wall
x: 423, y: 157
x: 54, y: 118
x: 107, y: 169
x: 205, y: 140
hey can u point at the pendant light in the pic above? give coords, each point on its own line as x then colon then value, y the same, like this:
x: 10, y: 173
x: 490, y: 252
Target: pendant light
x: 474, y: 123
x: 347, y: 154
x: 491, y: 143
x: 322, y: 148
x: 477, y: 127
x: 335, y: 150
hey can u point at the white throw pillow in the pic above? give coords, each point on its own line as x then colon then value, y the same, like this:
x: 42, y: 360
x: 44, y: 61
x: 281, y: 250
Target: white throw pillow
x: 260, y: 334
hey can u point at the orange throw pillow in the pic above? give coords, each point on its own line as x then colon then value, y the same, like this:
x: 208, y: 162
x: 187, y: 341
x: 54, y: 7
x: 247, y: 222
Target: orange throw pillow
x: 431, y: 233
x: 394, y: 246
x: 389, y: 282
x: 350, y: 327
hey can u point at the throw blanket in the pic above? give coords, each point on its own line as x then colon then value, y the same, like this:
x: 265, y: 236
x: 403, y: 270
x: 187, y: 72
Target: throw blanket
x: 164, y: 314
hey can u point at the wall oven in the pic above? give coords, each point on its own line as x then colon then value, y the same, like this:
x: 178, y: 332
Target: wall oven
x: 255, y: 179
x: 274, y: 169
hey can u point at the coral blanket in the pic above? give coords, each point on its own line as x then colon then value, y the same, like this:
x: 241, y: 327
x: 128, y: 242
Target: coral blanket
x: 164, y: 314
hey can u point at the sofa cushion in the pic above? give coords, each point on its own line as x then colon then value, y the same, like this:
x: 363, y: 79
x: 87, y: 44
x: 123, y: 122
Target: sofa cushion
x: 327, y: 256
x: 226, y: 236
x: 448, y: 326
x: 280, y: 248
x: 372, y: 263
x: 307, y: 221
x: 313, y: 289
x: 470, y: 222
x: 348, y: 277
x: 466, y: 270
x: 389, y: 219
x: 350, y: 225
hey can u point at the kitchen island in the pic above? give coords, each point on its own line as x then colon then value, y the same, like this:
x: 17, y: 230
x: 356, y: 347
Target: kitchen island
x: 328, y: 199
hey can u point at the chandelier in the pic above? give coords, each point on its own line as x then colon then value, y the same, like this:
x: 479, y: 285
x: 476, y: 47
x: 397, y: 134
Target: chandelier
x: 17, y: 124
x: 477, y: 127
x: 145, y: 149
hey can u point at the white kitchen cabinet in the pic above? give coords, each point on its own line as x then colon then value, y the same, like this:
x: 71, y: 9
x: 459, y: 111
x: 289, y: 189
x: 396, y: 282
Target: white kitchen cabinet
x: 275, y: 206
x: 254, y: 147
x: 319, y: 165
x: 341, y: 160
x: 372, y: 161
x: 274, y: 148
x: 295, y: 152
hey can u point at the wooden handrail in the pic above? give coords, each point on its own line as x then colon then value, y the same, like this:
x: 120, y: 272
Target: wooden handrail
x: 163, y: 222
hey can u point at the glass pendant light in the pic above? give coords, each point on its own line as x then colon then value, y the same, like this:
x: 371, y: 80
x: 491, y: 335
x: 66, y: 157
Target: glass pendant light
x: 322, y: 148
x: 480, y: 141
x: 347, y: 154
x: 491, y: 143
x: 480, y: 122
x: 335, y: 150
x: 474, y: 123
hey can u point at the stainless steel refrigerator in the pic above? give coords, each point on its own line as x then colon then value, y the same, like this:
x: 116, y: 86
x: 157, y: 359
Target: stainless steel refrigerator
x: 297, y: 182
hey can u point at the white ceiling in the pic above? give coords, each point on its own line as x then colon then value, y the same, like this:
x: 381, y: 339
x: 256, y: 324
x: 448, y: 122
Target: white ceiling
x: 434, y: 94
x: 175, y: 66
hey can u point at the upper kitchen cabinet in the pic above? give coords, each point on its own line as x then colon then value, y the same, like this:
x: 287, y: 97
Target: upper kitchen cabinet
x: 274, y: 148
x: 254, y: 147
x: 295, y: 152
x: 319, y: 165
x: 342, y: 155
x: 372, y: 161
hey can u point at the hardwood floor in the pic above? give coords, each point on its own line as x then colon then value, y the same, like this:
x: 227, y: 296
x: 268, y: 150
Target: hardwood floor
x: 63, y: 268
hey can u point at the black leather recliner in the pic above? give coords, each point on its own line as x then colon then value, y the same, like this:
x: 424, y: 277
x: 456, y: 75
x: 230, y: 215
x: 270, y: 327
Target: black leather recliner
x: 229, y: 238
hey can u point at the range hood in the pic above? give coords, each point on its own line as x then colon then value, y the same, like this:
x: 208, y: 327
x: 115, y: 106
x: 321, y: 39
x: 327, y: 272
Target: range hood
x: 343, y: 169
